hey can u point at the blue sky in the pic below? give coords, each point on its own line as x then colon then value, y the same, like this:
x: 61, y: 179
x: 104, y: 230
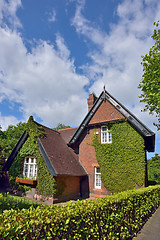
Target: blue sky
x: 55, y: 52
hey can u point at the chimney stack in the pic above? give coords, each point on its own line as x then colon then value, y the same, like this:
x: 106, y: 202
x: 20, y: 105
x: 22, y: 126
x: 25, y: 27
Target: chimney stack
x: 91, y: 100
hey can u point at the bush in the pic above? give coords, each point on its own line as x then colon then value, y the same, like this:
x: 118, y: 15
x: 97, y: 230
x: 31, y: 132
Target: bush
x: 118, y: 216
x: 152, y: 182
x: 8, y: 202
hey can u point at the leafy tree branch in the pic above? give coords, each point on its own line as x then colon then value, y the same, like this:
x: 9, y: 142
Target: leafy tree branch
x: 150, y: 82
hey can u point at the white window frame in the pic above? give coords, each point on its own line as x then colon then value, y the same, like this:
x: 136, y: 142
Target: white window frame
x: 30, y: 168
x: 97, y: 178
x: 106, y: 135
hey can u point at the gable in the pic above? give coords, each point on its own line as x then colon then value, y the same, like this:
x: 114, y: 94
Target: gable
x: 95, y: 116
x: 105, y: 113
x: 59, y: 158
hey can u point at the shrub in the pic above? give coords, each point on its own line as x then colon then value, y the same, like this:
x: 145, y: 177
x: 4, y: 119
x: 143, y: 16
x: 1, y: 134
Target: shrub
x: 114, y: 217
x: 8, y: 202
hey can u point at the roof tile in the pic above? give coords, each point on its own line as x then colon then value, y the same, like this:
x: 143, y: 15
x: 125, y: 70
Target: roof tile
x: 63, y: 159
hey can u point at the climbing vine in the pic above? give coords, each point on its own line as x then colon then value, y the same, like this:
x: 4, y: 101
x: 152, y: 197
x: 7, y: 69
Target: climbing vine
x: 46, y: 182
x: 122, y: 163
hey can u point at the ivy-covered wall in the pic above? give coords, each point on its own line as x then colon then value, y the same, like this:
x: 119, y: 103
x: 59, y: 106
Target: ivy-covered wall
x: 122, y: 162
x: 46, y: 182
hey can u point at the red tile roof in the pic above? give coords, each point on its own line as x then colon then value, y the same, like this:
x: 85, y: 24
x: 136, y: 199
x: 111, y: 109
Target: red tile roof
x: 62, y: 158
x: 67, y: 133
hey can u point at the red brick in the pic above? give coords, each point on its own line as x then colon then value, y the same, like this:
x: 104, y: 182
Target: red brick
x: 106, y: 112
x: 87, y: 157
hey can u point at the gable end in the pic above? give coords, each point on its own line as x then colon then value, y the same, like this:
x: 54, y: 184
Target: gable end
x: 146, y: 133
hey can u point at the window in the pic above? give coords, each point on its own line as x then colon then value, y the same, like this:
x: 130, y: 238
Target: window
x: 106, y: 135
x: 30, y: 168
x: 97, y: 178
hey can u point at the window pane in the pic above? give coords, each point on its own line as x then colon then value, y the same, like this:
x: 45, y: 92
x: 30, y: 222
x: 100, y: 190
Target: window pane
x: 109, y: 137
x: 97, y: 178
x: 97, y: 170
x: 35, y: 171
x: 25, y: 170
x: 106, y: 135
x: 27, y: 160
x: 31, y: 171
x: 104, y: 129
x: 30, y: 168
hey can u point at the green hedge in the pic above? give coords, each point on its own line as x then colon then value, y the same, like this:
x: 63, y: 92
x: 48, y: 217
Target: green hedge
x: 8, y: 202
x: 114, y: 217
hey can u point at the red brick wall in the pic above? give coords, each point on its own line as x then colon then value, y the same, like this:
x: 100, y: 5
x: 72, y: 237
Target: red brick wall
x: 106, y: 112
x: 71, y: 187
x: 87, y: 157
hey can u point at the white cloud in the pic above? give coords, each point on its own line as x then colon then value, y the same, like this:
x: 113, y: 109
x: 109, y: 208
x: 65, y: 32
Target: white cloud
x: 63, y: 51
x: 52, y: 16
x: 5, y: 121
x: 43, y: 81
x: 83, y: 26
x: 116, y: 62
x: 8, y: 11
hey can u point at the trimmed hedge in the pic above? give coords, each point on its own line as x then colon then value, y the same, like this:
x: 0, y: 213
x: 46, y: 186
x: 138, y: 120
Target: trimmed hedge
x: 118, y: 216
x: 8, y: 202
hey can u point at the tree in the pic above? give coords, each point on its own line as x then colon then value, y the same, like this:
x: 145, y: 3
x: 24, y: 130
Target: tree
x: 154, y: 168
x: 1, y: 149
x: 60, y: 126
x: 9, y: 138
x: 150, y: 82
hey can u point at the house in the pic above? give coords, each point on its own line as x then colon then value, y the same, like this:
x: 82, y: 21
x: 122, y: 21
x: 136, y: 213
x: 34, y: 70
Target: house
x: 105, y: 154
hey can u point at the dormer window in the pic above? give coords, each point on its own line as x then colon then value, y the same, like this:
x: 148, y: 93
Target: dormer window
x: 30, y: 168
x: 106, y: 135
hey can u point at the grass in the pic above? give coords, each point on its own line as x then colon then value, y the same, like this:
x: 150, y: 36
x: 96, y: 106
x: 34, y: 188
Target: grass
x: 8, y: 202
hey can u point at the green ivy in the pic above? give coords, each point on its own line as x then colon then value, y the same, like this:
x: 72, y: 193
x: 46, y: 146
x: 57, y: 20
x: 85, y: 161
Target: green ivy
x: 46, y: 182
x: 122, y: 162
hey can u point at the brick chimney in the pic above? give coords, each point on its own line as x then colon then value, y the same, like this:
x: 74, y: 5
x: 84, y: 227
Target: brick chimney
x: 91, y: 100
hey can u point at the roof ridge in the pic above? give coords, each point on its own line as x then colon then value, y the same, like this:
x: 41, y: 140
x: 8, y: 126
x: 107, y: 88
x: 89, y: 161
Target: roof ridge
x: 46, y: 127
x: 62, y: 129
